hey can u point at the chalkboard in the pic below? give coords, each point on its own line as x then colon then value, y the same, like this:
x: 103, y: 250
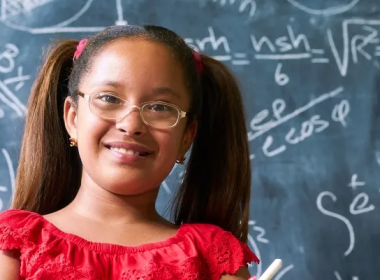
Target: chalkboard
x: 309, y: 71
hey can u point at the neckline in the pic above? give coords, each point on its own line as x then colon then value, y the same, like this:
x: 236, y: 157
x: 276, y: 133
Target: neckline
x: 110, y: 248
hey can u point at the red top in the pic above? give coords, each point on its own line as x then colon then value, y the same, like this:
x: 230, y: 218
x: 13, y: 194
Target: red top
x: 197, y: 251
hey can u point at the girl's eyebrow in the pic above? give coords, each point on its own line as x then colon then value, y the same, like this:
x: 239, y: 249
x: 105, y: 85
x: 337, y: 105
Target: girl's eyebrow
x: 156, y: 90
x: 107, y: 83
x: 166, y: 90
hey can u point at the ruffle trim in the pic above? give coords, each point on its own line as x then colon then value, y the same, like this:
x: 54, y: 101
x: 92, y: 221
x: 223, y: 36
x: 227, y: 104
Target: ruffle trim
x: 16, y: 239
x: 225, y: 255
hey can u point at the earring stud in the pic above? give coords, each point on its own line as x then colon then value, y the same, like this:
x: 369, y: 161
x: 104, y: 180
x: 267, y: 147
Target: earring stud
x: 73, y: 142
x: 181, y: 161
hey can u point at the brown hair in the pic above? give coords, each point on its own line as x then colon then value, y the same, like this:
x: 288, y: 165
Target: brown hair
x: 217, y: 179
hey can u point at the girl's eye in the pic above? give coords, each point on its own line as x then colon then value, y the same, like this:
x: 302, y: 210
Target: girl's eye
x: 160, y: 107
x: 109, y: 99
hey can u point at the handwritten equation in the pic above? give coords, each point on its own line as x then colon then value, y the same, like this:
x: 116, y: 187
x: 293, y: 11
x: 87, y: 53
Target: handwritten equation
x: 267, y: 120
x: 360, y: 44
x: 359, y: 205
x: 11, y: 80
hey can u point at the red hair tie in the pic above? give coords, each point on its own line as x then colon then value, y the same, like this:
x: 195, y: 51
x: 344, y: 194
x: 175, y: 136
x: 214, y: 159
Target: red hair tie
x: 198, y: 60
x: 80, y: 47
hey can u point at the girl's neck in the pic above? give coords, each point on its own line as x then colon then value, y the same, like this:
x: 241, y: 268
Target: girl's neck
x: 99, y: 205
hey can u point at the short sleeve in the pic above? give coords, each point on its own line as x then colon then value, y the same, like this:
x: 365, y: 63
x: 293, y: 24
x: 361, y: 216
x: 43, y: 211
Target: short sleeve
x: 14, y: 230
x: 224, y: 253
x: 17, y: 228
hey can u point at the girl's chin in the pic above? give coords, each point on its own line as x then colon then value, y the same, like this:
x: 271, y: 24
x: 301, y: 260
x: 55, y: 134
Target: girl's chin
x: 128, y: 191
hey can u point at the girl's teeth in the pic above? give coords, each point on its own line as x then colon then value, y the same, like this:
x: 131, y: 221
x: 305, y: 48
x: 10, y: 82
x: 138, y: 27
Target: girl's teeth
x: 124, y: 151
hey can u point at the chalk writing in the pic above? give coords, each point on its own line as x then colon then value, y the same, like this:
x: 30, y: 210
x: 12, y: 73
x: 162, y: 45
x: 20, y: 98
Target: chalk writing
x: 354, y: 183
x: 280, y: 78
x: 218, y: 44
x: 261, y: 123
x: 278, y: 48
x: 282, y: 272
x: 339, y: 217
x: 259, y: 236
x: 7, y: 65
x: 294, y: 46
x: 120, y: 16
x: 255, y: 248
x: 260, y: 232
x: 13, y: 7
x: 370, y: 38
x: 11, y: 172
x: 340, y: 112
x: 337, y: 275
x: 377, y: 51
x: 244, y: 5
x: 3, y: 189
x: 331, y: 45
x: 332, y: 10
x: 359, y: 205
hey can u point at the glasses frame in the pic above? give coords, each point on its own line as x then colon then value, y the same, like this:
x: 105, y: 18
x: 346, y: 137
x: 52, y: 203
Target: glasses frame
x: 181, y: 114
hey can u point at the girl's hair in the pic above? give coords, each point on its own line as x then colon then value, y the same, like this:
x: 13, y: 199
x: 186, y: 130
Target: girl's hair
x: 217, y: 180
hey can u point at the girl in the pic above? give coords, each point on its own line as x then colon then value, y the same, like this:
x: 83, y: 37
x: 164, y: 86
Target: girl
x: 130, y: 102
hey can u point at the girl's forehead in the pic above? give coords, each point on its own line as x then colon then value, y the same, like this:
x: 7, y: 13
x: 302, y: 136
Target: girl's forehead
x: 137, y: 59
x: 136, y: 63
x: 135, y: 48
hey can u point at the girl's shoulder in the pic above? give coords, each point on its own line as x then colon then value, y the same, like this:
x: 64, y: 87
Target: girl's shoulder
x: 14, y: 216
x: 17, y: 228
x: 217, y: 244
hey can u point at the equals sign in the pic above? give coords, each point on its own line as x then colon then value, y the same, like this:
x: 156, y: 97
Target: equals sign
x: 222, y: 57
x: 241, y: 59
x: 319, y: 59
x: 377, y: 51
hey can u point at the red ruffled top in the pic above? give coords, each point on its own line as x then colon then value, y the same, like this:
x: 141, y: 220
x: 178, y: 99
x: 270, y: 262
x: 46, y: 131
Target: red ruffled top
x: 197, y: 251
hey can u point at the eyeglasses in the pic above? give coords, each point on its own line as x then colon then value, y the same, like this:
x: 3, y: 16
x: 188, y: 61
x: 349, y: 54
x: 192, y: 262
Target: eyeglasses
x: 153, y: 113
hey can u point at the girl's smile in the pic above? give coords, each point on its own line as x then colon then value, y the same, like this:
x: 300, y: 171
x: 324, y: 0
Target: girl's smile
x: 128, y: 153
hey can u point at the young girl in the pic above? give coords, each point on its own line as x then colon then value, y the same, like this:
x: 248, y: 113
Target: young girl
x: 108, y: 118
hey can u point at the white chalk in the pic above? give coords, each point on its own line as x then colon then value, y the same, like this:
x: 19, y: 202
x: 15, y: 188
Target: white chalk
x: 272, y: 270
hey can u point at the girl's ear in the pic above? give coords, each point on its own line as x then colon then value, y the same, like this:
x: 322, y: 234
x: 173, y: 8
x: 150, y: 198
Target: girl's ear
x: 188, y: 138
x: 70, y: 117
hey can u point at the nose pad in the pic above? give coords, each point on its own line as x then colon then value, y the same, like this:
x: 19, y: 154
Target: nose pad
x: 130, y: 109
x: 131, y: 123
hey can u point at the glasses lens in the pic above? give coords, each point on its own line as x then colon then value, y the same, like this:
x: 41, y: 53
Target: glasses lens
x: 107, y: 106
x: 160, y: 114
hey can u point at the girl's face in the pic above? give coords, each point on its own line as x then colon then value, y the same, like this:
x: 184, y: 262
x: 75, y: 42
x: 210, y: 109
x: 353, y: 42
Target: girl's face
x: 138, y: 70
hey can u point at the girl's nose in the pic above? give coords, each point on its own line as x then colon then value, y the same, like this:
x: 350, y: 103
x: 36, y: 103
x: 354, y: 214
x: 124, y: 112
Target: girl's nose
x: 131, y: 123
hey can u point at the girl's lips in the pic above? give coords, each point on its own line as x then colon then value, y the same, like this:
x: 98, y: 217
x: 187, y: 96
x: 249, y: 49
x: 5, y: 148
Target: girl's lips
x: 126, y: 158
x: 128, y: 146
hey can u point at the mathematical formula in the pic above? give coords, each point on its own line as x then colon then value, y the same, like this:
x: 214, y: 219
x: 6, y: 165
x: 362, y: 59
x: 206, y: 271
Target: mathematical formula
x: 267, y: 120
x: 362, y: 45
x: 360, y: 204
x: 11, y: 82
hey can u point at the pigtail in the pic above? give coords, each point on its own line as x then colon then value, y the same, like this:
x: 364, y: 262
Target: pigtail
x: 217, y: 181
x: 48, y: 176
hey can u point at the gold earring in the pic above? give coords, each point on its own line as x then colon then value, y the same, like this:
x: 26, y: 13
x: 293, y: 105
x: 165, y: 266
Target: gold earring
x: 181, y: 161
x: 73, y: 142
